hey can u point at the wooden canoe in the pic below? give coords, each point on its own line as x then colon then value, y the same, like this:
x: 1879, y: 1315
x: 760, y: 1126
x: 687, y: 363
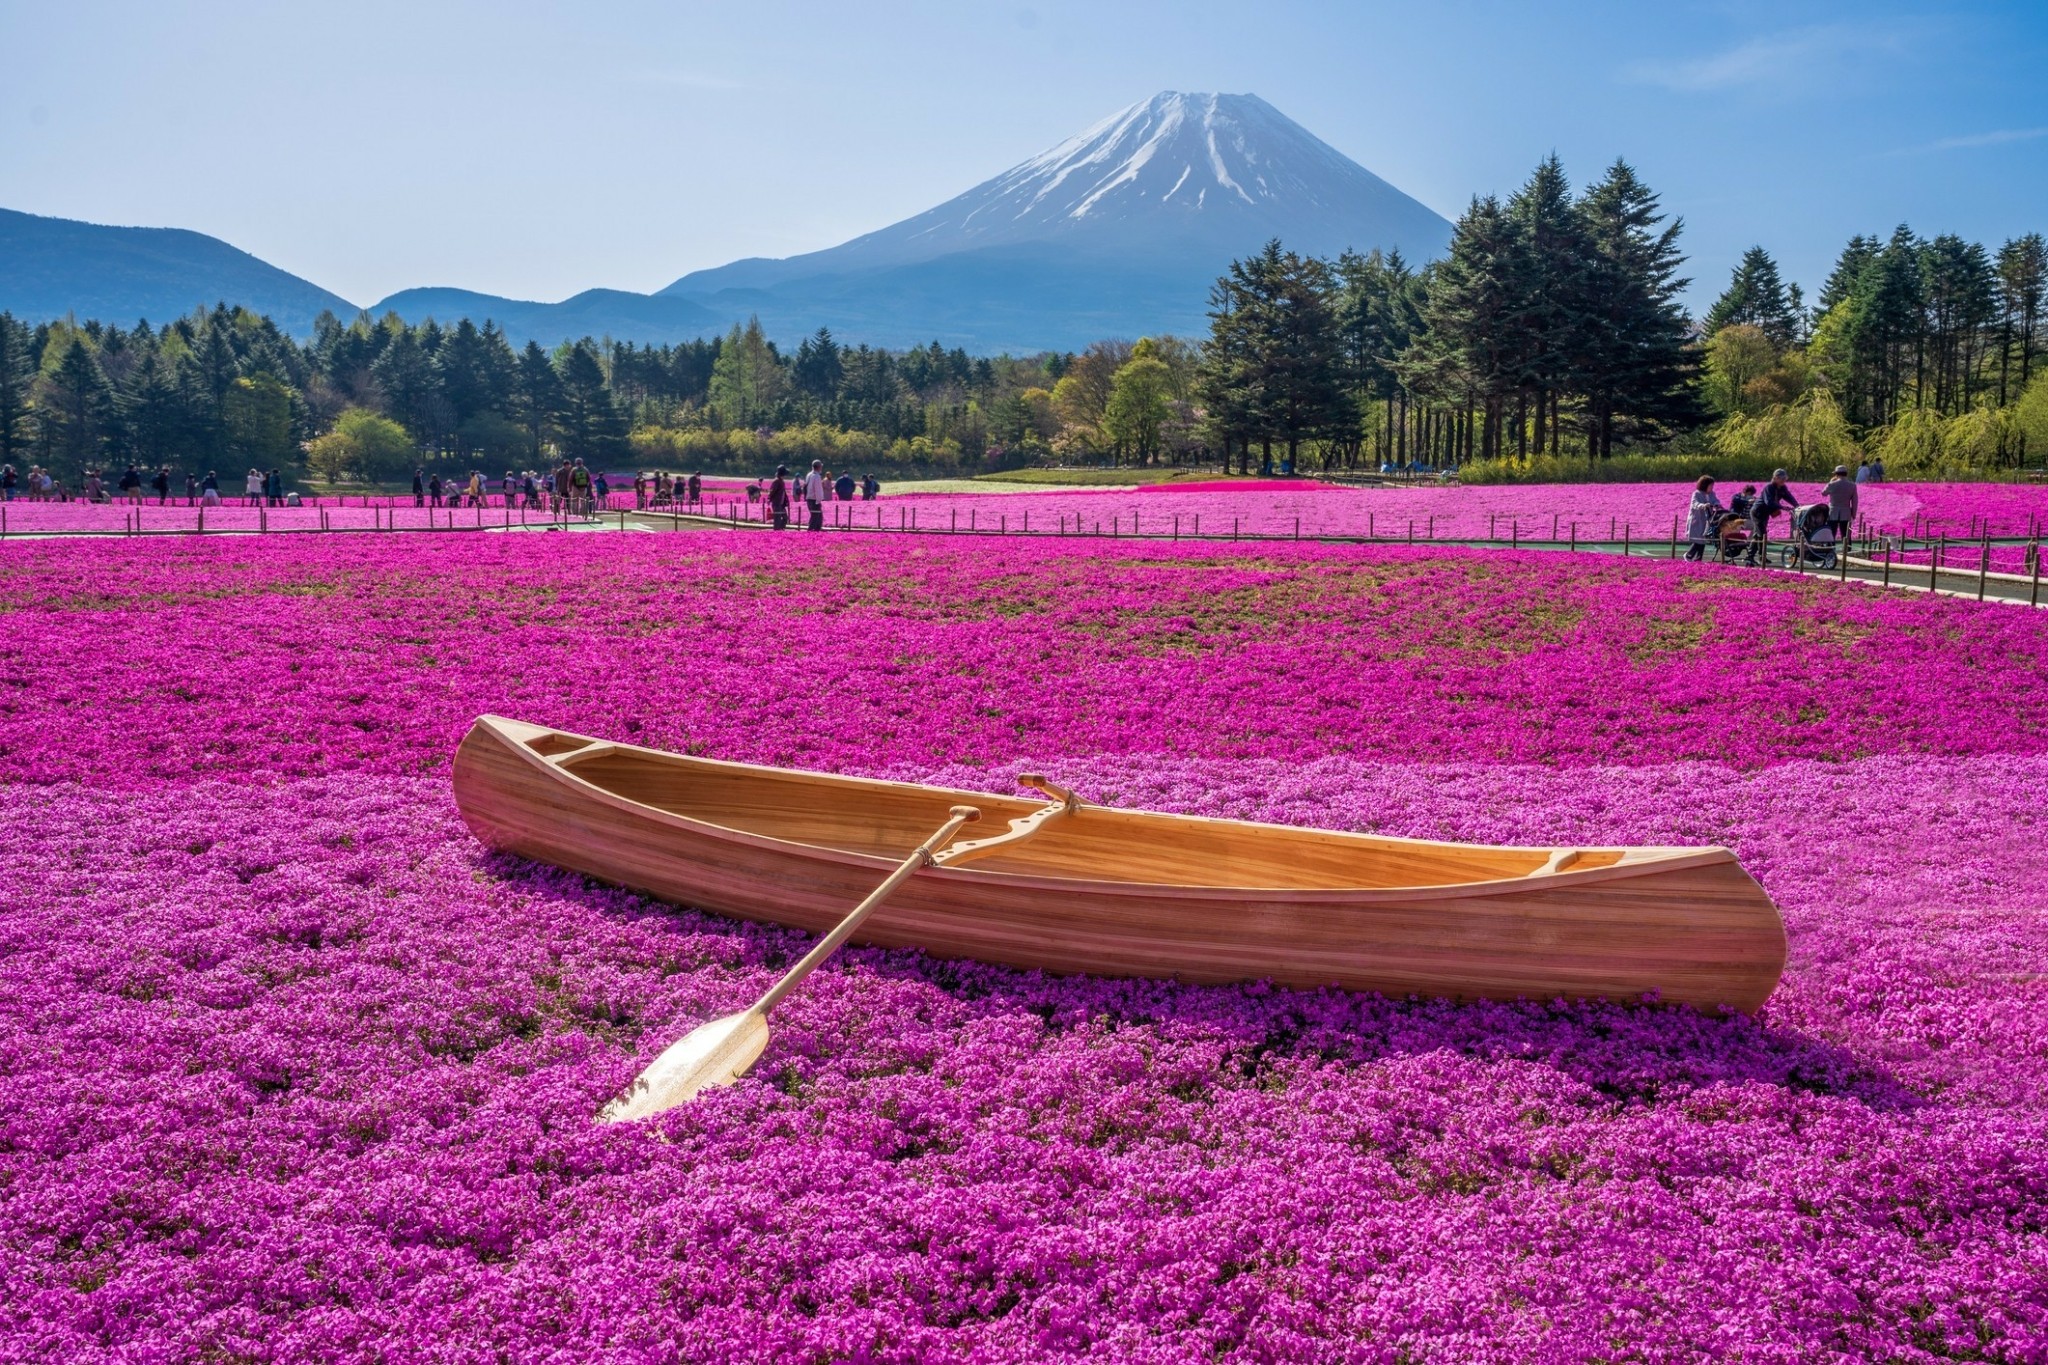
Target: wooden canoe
x: 1131, y: 893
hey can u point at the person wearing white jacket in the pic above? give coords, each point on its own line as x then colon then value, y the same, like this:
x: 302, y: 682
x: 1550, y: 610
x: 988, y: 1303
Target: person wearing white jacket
x: 1705, y: 514
x: 814, y: 494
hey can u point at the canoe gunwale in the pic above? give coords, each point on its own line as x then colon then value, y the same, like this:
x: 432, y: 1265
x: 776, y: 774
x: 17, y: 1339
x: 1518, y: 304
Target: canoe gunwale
x: 559, y: 768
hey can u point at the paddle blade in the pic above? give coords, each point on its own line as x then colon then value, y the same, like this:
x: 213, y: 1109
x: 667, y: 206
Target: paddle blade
x: 717, y: 1053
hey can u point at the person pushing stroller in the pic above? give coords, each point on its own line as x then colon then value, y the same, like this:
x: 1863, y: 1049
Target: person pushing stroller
x: 1777, y: 497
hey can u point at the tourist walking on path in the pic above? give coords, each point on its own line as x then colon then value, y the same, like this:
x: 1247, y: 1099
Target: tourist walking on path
x: 1699, y: 523
x: 1775, y: 498
x: 509, y: 486
x: 579, y: 488
x: 778, y: 498
x: 1841, y: 495
x: 131, y: 486
x: 814, y: 495
x: 162, y: 484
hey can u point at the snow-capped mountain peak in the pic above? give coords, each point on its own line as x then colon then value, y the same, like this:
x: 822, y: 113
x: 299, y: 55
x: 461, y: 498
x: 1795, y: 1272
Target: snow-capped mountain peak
x: 1179, y: 177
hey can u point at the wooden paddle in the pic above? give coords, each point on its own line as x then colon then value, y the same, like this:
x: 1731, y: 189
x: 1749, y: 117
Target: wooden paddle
x: 720, y: 1052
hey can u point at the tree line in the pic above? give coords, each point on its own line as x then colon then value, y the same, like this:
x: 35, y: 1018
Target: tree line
x: 1552, y: 327
x: 1547, y: 340
x: 369, y: 399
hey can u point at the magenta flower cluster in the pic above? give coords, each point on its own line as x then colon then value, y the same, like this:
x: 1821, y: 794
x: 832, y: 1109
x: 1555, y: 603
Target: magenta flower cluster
x: 291, y: 1069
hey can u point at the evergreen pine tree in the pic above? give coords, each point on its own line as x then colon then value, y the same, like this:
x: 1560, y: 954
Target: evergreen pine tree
x: 16, y: 373
x: 76, y: 405
x: 1640, y: 364
x: 592, y: 428
x: 1756, y: 296
x: 536, y: 398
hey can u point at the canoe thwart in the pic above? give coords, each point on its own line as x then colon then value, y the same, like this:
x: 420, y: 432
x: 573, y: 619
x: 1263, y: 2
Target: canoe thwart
x: 1021, y: 828
x: 1558, y: 862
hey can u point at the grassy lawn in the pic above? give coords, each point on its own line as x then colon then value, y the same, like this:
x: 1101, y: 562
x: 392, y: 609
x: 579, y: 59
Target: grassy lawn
x: 1119, y: 477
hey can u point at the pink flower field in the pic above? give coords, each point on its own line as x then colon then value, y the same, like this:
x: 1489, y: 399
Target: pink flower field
x: 292, y: 1069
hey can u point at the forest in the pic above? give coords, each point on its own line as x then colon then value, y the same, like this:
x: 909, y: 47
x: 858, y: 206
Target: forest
x: 1548, y: 343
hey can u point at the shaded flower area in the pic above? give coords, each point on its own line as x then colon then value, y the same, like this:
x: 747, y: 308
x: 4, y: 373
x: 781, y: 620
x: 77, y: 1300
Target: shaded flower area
x: 1643, y: 511
x: 292, y: 1069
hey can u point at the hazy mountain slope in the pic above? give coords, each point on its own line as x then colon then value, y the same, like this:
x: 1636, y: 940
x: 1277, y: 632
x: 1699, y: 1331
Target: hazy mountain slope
x: 51, y: 267
x: 648, y: 318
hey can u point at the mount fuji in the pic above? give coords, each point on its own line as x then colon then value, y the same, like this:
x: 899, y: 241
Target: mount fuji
x: 1119, y: 230
x: 1193, y: 180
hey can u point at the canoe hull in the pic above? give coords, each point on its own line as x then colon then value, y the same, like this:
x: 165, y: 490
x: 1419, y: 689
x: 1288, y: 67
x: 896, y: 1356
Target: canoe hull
x: 1694, y: 930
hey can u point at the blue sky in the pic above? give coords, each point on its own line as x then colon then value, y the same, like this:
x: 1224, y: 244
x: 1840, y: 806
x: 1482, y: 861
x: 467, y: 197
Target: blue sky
x: 535, y: 150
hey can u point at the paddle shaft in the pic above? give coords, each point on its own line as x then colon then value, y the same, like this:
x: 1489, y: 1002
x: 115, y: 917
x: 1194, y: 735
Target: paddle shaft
x: 830, y: 944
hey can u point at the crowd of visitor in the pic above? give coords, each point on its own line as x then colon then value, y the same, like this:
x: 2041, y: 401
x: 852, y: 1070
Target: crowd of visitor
x: 815, y: 488
x: 1745, y: 523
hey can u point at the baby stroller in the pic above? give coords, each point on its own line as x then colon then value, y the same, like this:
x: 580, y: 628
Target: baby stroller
x: 1813, y: 540
x: 1731, y: 536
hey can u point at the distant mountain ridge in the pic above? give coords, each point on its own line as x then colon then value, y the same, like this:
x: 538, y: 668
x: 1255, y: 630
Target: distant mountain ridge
x: 54, y: 267
x: 1117, y: 231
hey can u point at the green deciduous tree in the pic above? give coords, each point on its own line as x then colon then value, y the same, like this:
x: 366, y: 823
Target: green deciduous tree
x: 363, y: 445
x: 1140, y: 403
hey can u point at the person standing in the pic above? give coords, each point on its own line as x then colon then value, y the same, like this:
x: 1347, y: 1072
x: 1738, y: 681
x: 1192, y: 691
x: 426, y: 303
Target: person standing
x: 191, y: 488
x: 868, y: 487
x: 1841, y: 495
x: 419, y: 487
x: 1777, y: 497
x: 1699, y: 523
x: 1877, y: 470
x: 778, y: 498
x: 579, y: 488
x: 509, y: 486
x: 1863, y: 471
x: 696, y: 489
x: 8, y: 479
x: 844, y: 488
x: 434, y: 491
x: 814, y: 495
x: 131, y: 486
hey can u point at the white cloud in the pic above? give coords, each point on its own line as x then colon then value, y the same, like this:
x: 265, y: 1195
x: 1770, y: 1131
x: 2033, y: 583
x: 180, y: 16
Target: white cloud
x: 1778, y: 58
x: 1990, y: 139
